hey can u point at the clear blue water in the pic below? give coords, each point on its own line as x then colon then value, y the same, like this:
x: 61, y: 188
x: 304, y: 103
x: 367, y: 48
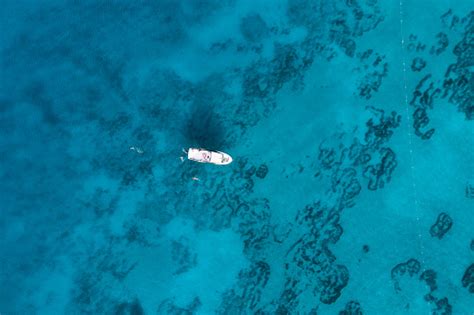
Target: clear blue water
x: 351, y: 128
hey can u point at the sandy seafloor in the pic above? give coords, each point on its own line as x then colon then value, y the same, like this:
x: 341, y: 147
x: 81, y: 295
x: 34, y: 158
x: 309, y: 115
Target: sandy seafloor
x: 351, y: 127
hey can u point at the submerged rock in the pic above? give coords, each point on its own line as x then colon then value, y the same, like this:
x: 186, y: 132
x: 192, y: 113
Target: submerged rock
x: 418, y: 64
x: 411, y: 267
x: 470, y: 190
x: 442, y: 225
x: 334, y: 283
x: 352, y: 308
x: 429, y: 276
x: 262, y: 171
x: 127, y: 308
x: 441, y: 45
x: 459, y: 76
x: 468, y: 278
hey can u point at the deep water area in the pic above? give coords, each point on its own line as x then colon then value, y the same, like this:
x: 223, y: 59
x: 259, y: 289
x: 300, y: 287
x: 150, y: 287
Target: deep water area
x: 350, y: 124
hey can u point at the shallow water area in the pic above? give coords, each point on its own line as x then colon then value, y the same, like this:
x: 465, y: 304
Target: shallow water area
x: 350, y: 124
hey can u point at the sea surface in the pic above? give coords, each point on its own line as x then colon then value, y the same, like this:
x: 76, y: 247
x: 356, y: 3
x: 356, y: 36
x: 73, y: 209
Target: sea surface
x: 351, y: 126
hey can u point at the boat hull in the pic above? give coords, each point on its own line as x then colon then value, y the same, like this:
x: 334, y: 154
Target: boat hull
x: 209, y: 156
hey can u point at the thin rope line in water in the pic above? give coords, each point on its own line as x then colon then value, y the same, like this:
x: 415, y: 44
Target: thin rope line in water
x: 410, y: 139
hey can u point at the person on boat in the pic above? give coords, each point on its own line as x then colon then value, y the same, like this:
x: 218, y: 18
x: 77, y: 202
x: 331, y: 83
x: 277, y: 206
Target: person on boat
x: 206, y: 156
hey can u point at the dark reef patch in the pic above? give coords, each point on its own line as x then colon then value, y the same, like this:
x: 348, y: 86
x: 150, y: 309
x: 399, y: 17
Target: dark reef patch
x: 450, y: 20
x: 442, y: 307
x: 457, y: 84
x: 374, y: 69
x: 468, y: 278
x: 263, y: 79
x: 262, y: 171
x: 168, y: 307
x: 380, y: 128
x: 429, y: 276
x: 127, y: 308
x: 346, y: 183
x: 254, y: 28
x: 411, y: 269
x: 110, y: 265
x: 418, y: 64
x: 422, y: 100
x: 335, y: 281
x: 459, y: 78
x: 381, y: 173
x: 247, y: 295
x: 36, y: 94
x: 102, y: 202
x: 420, y: 121
x: 414, y: 45
x: 470, y: 190
x: 442, y: 225
x: 135, y: 234
x: 182, y: 256
x: 441, y: 44
x: 352, y: 308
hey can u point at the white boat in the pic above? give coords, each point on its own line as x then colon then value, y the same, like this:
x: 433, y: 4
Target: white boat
x: 208, y: 156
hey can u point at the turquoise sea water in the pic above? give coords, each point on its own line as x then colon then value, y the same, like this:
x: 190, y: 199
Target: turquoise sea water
x: 351, y: 128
